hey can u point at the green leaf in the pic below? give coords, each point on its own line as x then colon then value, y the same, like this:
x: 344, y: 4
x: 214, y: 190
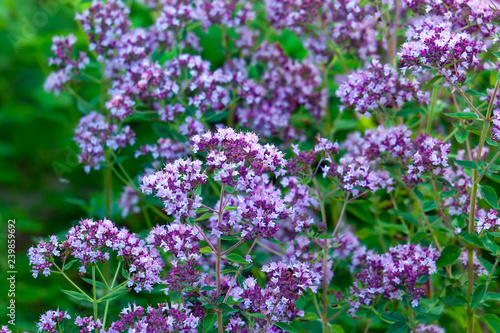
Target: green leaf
x: 208, y: 288
x: 427, y: 317
x: 204, y: 217
x: 399, y: 327
x: 206, y: 249
x: 274, y: 241
x: 226, y: 308
x: 97, y: 283
x: 257, y: 315
x: 489, y: 195
x: 190, y: 221
x: 337, y: 329
x: 461, y: 115
x: 198, y: 190
x: 69, y: 264
x: 407, y: 112
x: 230, y: 208
x: 461, y: 136
x: 476, y: 93
x: 493, y: 322
x: 454, y: 300
x: 429, y: 205
x: 209, y: 322
x: 306, y: 180
x: 228, y: 189
x: 112, y: 296
x: 473, y: 239
x: 466, y: 164
x: 75, y: 295
x: 285, y: 327
x: 236, y: 258
x: 449, y: 255
x: 478, y: 294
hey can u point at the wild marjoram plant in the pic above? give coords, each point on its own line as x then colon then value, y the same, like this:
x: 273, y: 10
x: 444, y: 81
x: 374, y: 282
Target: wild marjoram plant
x: 329, y: 168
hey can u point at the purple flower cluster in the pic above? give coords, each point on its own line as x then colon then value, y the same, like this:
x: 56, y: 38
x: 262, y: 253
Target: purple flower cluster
x: 431, y: 156
x: 392, y: 273
x: 495, y: 126
x: 88, y: 324
x: 432, y: 43
x: 42, y: 256
x: 94, y: 134
x: 163, y: 318
x: 175, y: 186
x: 423, y: 328
x: 166, y: 149
x: 92, y: 242
x: 490, y: 221
x: 286, y: 283
x: 50, y: 320
x: 376, y: 87
x: 66, y: 67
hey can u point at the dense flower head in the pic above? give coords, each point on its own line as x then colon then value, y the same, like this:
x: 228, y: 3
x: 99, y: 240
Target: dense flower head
x: 88, y: 324
x: 163, y: 318
x: 180, y: 240
x: 42, y: 255
x: 237, y: 154
x: 304, y: 204
x: 67, y: 66
x: 302, y: 250
x: 384, y: 274
x: 166, y: 149
x: 50, y: 320
x: 175, y: 186
x: 93, y: 134
x: 345, y: 244
x: 490, y: 221
x: 5, y: 329
x: 431, y: 156
x: 378, y: 86
x: 432, y: 43
x: 104, y: 23
x: 495, y: 126
x: 478, y: 268
x: 286, y: 283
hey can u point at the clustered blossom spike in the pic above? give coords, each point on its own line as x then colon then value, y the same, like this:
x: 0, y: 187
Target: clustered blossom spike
x: 66, y: 67
x: 166, y: 149
x: 478, y: 268
x: 163, y: 318
x: 378, y: 87
x: 93, y: 134
x: 490, y: 221
x: 175, y: 186
x: 433, y: 43
x: 495, y: 126
x: 431, y: 156
x: 92, y: 242
x: 392, y: 273
x: 286, y: 283
x: 88, y: 324
x: 50, y: 320
x: 42, y: 255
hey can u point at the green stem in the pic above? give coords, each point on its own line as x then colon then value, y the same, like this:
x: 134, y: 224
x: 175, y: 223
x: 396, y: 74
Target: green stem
x: 74, y: 285
x: 95, y: 295
x: 431, y: 111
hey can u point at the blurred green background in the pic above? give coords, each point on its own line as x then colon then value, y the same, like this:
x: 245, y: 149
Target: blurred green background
x: 36, y: 150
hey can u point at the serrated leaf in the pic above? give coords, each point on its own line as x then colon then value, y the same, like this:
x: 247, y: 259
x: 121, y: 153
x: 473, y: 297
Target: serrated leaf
x: 478, y: 294
x: 236, y: 258
x: 449, y: 255
x: 489, y: 195
x: 209, y: 322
